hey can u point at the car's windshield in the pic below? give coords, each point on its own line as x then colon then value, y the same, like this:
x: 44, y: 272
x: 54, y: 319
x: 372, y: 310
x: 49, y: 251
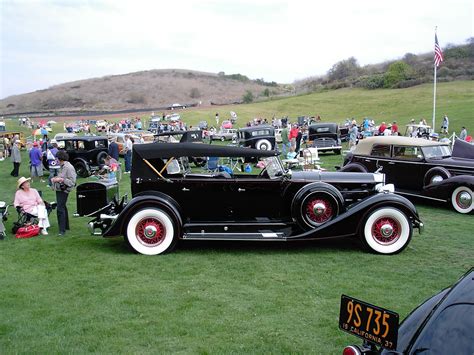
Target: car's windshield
x: 273, y: 167
x: 436, y: 152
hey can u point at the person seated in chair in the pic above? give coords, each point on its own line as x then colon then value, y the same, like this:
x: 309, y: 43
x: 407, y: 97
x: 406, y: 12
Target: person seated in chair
x: 30, y: 201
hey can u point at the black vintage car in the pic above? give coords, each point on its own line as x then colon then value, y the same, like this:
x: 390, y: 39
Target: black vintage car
x: 86, y: 154
x: 171, y: 201
x: 443, y: 324
x: 326, y: 137
x: 260, y: 137
x: 417, y: 167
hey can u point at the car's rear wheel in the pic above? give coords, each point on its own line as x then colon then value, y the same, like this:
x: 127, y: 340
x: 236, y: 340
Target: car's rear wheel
x: 462, y: 199
x: 436, y: 175
x: 263, y: 144
x: 81, y: 168
x: 386, y: 231
x: 101, y: 158
x: 151, y: 231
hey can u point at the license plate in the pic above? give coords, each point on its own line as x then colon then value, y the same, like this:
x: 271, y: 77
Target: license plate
x: 369, y: 322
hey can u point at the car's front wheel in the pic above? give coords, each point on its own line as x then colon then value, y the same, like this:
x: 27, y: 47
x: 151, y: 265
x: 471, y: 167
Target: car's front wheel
x: 151, y: 231
x: 462, y: 199
x: 386, y: 231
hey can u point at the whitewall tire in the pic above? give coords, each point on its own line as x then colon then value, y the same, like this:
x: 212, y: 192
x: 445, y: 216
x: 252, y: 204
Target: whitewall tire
x: 151, y: 231
x: 462, y: 199
x: 263, y: 144
x: 387, y: 231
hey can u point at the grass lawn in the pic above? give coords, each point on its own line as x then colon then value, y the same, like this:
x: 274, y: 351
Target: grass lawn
x: 83, y: 293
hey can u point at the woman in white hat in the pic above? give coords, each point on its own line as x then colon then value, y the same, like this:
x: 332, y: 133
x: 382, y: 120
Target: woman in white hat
x: 31, y: 202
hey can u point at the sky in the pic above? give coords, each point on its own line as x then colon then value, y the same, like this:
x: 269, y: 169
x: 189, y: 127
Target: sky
x: 49, y: 42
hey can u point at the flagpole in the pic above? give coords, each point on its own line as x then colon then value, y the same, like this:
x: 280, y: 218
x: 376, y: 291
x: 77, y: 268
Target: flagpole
x: 434, y: 99
x: 434, y: 91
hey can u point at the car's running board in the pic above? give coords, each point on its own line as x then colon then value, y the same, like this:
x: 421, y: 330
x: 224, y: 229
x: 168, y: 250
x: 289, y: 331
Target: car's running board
x: 401, y: 192
x: 270, y: 236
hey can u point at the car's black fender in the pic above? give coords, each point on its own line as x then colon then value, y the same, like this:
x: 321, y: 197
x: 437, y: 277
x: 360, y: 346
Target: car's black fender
x: 330, y: 198
x: 146, y: 199
x: 350, y: 222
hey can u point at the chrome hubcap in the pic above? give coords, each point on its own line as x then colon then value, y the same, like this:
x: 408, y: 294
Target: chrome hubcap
x: 464, y: 199
x: 436, y: 179
x: 319, y: 209
x: 150, y: 232
x: 386, y: 230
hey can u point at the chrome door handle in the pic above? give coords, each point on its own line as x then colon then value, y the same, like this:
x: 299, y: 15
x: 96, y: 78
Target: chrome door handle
x: 80, y: 196
x: 391, y: 163
x: 184, y: 189
x: 367, y: 160
x: 240, y: 190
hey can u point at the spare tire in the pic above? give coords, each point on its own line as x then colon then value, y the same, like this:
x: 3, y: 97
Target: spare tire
x: 316, y: 204
x: 263, y: 144
x: 436, y: 175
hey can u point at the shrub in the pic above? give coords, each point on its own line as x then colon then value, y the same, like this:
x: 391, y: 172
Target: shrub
x: 195, y: 93
x: 136, y: 98
x: 248, y: 97
x: 397, y: 72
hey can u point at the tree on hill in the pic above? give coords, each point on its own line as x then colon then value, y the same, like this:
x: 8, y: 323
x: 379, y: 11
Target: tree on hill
x: 397, y: 72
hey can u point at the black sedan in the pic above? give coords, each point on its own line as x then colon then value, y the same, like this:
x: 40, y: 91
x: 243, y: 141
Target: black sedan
x: 443, y: 324
x: 417, y: 167
x: 171, y: 201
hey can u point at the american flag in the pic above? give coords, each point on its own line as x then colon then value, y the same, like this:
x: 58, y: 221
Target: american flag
x: 438, y: 56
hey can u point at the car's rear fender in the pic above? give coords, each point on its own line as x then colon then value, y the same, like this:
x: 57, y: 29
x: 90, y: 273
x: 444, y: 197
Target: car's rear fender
x: 349, y: 223
x: 145, y: 199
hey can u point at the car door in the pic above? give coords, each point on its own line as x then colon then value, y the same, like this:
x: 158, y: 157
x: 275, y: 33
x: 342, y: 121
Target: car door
x: 404, y: 169
x: 378, y: 157
x: 257, y: 197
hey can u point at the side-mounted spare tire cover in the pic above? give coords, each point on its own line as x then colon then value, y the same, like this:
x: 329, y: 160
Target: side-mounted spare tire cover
x: 316, y: 204
x: 354, y: 168
x: 435, y: 175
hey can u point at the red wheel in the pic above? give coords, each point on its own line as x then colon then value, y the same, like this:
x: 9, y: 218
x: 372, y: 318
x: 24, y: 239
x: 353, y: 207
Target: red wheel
x: 386, y: 231
x: 319, y: 208
x: 151, y: 231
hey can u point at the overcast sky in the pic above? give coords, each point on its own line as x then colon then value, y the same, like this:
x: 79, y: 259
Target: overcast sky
x: 48, y: 42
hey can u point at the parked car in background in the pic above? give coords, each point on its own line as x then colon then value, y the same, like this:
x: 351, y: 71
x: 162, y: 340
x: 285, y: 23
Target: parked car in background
x: 173, y: 117
x: 120, y: 139
x: 224, y: 135
x: 87, y: 154
x: 325, y: 136
x: 418, y: 168
x: 176, y: 106
x: 278, y: 135
x: 442, y: 324
x: 11, y: 134
x: 274, y: 204
x: 418, y: 131
x: 260, y: 137
x: 63, y: 135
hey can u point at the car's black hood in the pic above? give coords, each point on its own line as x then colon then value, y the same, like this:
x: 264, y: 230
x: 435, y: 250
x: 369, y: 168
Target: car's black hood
x: 454, y: 162
x: 330, y: 176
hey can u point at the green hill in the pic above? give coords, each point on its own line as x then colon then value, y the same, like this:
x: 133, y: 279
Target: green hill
x: 456, y: 99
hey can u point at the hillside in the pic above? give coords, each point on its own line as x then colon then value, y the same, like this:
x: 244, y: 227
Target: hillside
x: 145, y: 89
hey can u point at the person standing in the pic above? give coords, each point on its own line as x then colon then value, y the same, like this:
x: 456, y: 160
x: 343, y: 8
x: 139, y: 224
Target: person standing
x: 395, y: 129
x: 463, y: 134
x: 16, y: 158
x: 217, y: 119
x: 445, y: 125
x: 53, y: 163
x: 285, y: 142
x: 353, y: 133
x: 114, y: 148
x: 36, y: 162
x: 63, y: 184
x: 292, y: 137
x: 128, y: 145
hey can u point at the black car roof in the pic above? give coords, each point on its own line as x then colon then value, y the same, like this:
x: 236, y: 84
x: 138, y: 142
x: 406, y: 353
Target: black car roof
x: 168, y: 150
x: 83, y: 138
x: 255, y: 128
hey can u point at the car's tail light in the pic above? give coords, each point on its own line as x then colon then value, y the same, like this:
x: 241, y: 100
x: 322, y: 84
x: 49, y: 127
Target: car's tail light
x: 351, y: 350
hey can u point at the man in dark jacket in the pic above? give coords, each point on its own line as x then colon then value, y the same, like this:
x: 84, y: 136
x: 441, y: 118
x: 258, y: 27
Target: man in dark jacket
x: 114, y: 149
